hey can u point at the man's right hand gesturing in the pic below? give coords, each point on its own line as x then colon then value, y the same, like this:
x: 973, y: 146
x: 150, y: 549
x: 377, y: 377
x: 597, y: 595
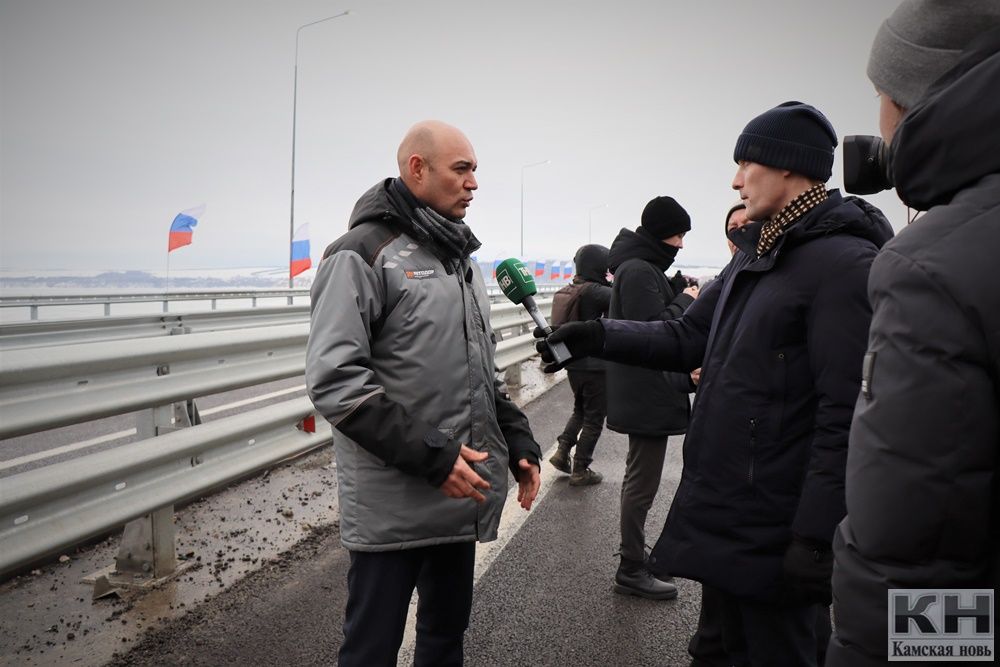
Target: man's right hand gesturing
x: 463, y: 481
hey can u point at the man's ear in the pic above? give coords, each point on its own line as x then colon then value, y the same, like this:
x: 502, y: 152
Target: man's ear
x: 417, y: 167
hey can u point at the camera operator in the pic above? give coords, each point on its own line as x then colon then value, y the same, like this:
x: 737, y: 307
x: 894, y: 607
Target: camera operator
x: 922, y: 466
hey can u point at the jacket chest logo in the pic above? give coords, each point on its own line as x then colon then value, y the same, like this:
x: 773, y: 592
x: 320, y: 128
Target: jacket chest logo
x: 419, y: 274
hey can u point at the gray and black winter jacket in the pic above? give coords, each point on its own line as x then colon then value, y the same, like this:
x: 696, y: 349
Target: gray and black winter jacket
x: 400, y: 361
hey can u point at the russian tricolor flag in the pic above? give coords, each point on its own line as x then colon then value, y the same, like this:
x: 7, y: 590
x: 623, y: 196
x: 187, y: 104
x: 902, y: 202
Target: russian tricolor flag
x: 539, y: 269
x: 300, y: 251
x: 554, y: 275
x: 182, y: 228
x: 567, y: 270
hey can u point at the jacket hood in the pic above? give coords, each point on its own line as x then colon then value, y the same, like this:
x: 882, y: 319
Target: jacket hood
x: 837, y: 215
x: 374, y: 205
x: 946, y: 142
x: 639, y: 244
x: 592, y: 263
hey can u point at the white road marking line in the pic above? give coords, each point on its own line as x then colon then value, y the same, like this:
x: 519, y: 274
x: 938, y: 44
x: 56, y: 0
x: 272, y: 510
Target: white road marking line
x: 83, y: 444
x: 252, y: 399
x: 48, y: 453
x: 511, y: 520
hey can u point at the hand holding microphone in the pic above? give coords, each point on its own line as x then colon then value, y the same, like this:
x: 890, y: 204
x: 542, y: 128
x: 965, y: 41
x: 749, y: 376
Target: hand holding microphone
x: 582, y: 339
x: 517, y: 284
x: 559, y: 345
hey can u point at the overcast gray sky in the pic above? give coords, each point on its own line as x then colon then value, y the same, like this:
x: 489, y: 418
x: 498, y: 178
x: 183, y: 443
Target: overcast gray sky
x: 117, y: 114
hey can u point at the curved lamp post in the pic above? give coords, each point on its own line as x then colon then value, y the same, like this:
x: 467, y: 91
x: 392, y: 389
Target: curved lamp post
x: 295, y: 97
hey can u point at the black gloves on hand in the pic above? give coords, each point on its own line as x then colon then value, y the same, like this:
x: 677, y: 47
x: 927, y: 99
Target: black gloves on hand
x: 678, y: 282
x: 808, y: 567
x: 582, y: 339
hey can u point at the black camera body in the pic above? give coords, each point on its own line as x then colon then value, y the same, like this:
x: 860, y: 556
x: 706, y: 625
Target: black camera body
x: 867, y: 165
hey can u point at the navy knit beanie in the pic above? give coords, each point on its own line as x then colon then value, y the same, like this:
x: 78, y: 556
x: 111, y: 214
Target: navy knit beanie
x: 792, y: 136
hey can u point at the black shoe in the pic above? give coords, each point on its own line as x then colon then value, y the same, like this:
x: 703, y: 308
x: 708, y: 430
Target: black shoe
x: 560, y: 460
x: 585, y: 477
x: 633, y: 578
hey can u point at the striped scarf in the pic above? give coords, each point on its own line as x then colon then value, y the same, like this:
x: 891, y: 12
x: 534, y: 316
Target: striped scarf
x: 788, y: 215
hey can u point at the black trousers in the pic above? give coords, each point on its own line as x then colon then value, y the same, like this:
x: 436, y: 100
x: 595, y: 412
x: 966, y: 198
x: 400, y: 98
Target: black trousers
x: 590, y: 407
x: 720, y: 638
x: 379, y: 587
x: 758, y: 634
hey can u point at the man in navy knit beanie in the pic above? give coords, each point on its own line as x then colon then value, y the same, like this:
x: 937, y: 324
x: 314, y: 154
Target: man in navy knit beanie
x: 780, y: 338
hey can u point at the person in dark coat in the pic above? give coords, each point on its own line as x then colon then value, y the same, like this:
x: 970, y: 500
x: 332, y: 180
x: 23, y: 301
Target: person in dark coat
x: 648, y: 405
x: 780, y: 338
x: 586, y: 376
x: 922, y: 469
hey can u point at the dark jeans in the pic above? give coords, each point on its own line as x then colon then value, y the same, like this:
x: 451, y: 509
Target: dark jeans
x: 379, y: 587
x: 720, y: 639
x: 590, y: 407
x: 643, y: 469
x: 757, y: 634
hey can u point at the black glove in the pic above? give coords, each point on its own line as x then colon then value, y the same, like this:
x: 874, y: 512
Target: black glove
x: 582, y: 339
x: 807, y: 569
x: 678, y: 282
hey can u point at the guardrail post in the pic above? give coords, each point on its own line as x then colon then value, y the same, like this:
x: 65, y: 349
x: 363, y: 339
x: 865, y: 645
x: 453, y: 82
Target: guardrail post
x: 34, y: 313
x: 107, y: 309
x: 147, y: 555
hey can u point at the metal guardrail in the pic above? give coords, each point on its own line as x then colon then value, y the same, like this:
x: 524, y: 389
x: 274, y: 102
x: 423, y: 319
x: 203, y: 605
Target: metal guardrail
x: 44, y: 386
x: 34, y: 303
x: 62, y: 332
x: 43, y: 510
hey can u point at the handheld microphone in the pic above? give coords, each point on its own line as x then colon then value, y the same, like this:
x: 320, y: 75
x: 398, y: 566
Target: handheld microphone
x: 517, y: 285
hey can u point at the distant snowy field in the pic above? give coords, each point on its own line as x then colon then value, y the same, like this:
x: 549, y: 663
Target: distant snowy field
x: 48, y: 283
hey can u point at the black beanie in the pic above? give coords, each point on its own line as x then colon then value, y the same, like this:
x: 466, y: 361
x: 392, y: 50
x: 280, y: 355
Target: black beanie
x: 663, y: 217
x: 792, y: 136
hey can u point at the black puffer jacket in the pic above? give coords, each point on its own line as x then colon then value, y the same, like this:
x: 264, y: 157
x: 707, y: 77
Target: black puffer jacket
x: 922, y: 478
x: 642, y: 401
x: 592, y: 268
x: 780, y: 340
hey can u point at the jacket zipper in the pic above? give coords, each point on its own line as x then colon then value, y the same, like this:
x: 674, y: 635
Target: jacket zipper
x: 753, y: 442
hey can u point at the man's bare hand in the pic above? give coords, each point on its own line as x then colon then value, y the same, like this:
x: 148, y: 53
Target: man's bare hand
x: 692, y: 291
x: 696, y: 376
x: 528, y: 483
x: 463, y: 481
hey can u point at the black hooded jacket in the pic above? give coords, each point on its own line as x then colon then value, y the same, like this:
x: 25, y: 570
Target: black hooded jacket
x: 592, y: 268
x: 922, y: 476
x: 642, y: 401
x: 780, y: 341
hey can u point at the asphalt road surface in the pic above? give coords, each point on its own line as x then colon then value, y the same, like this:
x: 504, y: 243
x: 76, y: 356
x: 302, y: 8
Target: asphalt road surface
x: 543, y: 594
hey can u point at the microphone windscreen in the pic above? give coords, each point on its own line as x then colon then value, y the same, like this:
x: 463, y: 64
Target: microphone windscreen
x: 515, y: 280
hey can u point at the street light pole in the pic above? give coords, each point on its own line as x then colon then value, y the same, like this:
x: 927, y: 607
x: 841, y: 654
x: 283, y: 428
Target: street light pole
x: 533, y: 164
x: 590, y: 224
x: 295, y: 99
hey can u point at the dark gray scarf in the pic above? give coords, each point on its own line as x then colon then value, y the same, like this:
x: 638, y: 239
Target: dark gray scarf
x: 452, y: 239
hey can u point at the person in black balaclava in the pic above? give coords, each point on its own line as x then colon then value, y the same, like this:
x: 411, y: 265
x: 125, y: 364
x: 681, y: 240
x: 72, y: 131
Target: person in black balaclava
x: 648, y: 405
